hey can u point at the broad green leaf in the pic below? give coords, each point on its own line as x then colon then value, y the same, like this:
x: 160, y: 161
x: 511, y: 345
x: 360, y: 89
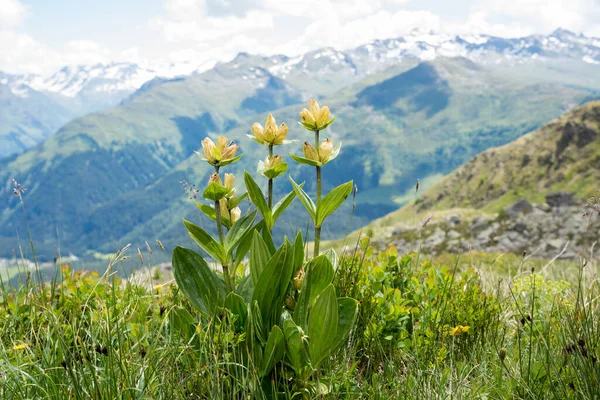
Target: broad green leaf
x: 333, y: 200
x: 274, y: 350
x: 266, y: 235
x: 319, y: 274
x: 307, y: 161
x: 243, y: 246
x: 237, y: 231
x: 271, y: 285
x: 333, y: 257
x: 322, y: 325
x: 181, y: 322
x: 282, y: 204
x: 245, y: 289
x: 206, y: 242
x: 237, y: 306
x: 257, y: 197
x: 215, y: 192
x: 257, y: 323
x: 259, y: 257
x: 296, y: 345
x: 197, y: 280
x: 347, y: 314
x: 305, y: 200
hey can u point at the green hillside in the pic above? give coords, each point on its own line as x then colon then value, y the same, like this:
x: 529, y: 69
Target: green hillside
x: 563, y: 155
x: 114, y: 176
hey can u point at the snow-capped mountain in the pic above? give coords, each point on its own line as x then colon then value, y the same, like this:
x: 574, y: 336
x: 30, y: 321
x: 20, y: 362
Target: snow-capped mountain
x: 379, y: 54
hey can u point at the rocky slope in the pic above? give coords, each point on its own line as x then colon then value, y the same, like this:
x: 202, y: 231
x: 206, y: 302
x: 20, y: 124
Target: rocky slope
x: 537, y: 194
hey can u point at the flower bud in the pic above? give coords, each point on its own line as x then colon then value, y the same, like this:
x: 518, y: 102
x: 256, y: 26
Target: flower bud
x: 223, y: 208
x: 310, y: 152
x: 215, y: 178
x: 272, y: 162
x: 282, y: 132
x: 299, y: 278
x: 315, y: 118
x: 314, y: 109
x: 290, y: 303
x: 270, y: 129
x: 307, y: 118
x: 229, y: 151
x: 323, y: 117
x: 325, y: 150
x: 229, y: 178
x: 215, y: 153
x: 259, y: 132
x: 221, y: 143
x: 208, y: 147
x: 236, y: 213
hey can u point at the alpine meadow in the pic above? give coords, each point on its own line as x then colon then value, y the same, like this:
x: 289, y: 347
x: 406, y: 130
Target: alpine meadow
x: 334, y: 199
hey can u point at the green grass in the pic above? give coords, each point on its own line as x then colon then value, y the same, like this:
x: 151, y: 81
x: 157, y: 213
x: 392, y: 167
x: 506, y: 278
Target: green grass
x: 532, y: 336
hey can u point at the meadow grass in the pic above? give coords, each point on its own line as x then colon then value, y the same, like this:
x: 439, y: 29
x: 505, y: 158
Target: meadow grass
x: 427, y: 328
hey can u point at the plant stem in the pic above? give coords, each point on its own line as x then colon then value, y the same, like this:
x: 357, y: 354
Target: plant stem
x: 270, y: 180
x: 317, y: 228
x: 225, y: 267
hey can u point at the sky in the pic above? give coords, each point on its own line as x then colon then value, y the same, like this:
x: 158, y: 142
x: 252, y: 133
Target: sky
x: 41, y: 36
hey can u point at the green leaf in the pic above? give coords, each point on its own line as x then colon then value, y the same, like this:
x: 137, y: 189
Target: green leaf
x: 234, y: 201
x: 243, y: 247
x: 298, y: 250
x: 322, y: 325
x: 272, y: 284
x: 305, y: 200
x: 297, y: 347
x: 237, y: 306
x: 245, y: 289
x: 210, y: 213
x: 333, y: 200
x: 257, y: 197
x: 282, y: 204
x: 275, y: 171
x: 274, y: 350
x: 197, y: 281
x: 307, y: 161
x: 237, y: 231
x: 206, y: 242
x: 319, y: 275
x: 259, y: 256
x: 229, y: 161
x: 347, y: 314
x: 182, y: 322
x: 215, y: 192
x: 333, y: 258
x: 255, y: 317
x: 322, y: 127
x: 266, y: 235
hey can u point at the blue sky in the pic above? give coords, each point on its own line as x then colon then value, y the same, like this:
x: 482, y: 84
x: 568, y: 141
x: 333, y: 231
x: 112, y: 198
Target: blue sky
x: 40, y: 36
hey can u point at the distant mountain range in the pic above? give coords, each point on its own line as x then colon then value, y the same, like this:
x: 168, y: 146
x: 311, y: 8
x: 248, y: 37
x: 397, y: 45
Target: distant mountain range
x: 407, y: 108
x: 34, y: 107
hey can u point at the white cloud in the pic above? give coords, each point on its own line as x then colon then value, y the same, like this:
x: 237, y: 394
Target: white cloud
x: 201, y: 32
x: 545, y: 15
x: 11, y: 12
